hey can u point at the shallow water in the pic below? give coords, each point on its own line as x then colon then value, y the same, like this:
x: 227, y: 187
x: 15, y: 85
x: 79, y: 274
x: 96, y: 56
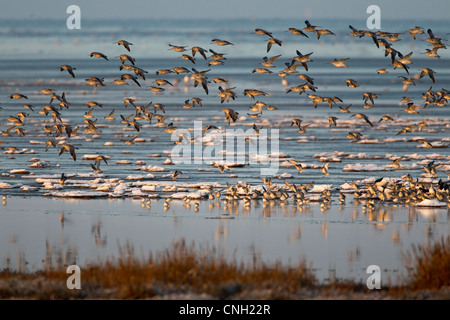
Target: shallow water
x: 344, y: 239
x: 338, y: 242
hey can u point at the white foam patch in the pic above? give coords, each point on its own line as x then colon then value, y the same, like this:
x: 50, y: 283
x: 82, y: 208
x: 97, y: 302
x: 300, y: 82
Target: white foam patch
x: 152, y: 168
x: 92, y: 157
x: 359, y: 167
x: 193, y: 195
x: 4, y: 185
x: 78, y: 194
x: 320, y: 188
x: 431, y: 203
x: 19, y: 171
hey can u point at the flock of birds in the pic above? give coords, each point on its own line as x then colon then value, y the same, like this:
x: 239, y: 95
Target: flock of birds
x: 405, y: 190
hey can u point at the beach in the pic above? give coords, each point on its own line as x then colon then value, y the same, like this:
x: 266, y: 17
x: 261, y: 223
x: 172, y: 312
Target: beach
x: 149, y: 175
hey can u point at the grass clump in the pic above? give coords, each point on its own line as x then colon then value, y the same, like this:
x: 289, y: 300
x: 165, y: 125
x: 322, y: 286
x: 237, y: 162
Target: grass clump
x: 429, y: 265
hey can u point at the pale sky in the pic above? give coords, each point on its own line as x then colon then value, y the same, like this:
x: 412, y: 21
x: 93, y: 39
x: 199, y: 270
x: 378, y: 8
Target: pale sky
x: 103, y: 9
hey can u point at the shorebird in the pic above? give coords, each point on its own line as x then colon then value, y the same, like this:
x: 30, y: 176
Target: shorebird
x: 432, y: 39
x: 356, y: 32
x: 215, y: 63
x: 140, y: 72
x: 63, y: 179
x: 354, y: 135
x: 127, y: 101
x: 95, y: 82
x: 226, y: 94
x: 96, y: 168
x: 223, y: 167
x: 216, y: 55
x: 302, y: 88
x: 175, y: 174
x: 332, y: 121
x: 124, y: 43
x: 162, y: 82
x: 156, y: 89
x: 164, y: 71
x: 200, y: 50
x: 394, y: 37
x: 324, y: 169
x: 404, y: 59
x: 416, y: 30
x: 196, y: 101
x: 177, y: 48
x: 306, y: 78
x: 230, y: 115
x: 121, y: 82
x: 261, y: 70
x: 382, y: 70
x: 92, y: 104
x: 302, y: 129
x: 272, y: 41
x: 297, y: 32
x: 425, y: 143
x: 345, y: 109
x: 221, y: 42
x: 407, y: 81
x: 432, y: 53
x: 70, y: 148
x: 428, y: 71
x: 188, y: 58
x: 296, y: 122
x: 257, y: 106
x: 125, y: 57
x: 291, y: 68
x: 364, y: 117
x: 386, y: 117
x: 128, y: 76
x: 303, y: 59
x: 411, y: 108
x: 373, y: 35
x: 297, y: 165
x: 369, y: 96
x: 321, y: 32
x: 18, y: 96
x: 50, y: 143
x: 309, y: 27
x: 98, y: 55
x: 110, y: 117
x: 431, y: 168
x: 340, y: 63
x: 406, y: 129
x: 268, y: 62
x: 397, y: 64
x: 220, y: 80
x: 88, y: 114
x: 263, y: 32
x: 130, y: 141
x: 179, y: 70
x: 160, y: 107
x: 48, y: 91
x: 422, y: 124
x: 351, y: 83
x: 170, y: 128
x: 69, y: 69
x: 252, y: 93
